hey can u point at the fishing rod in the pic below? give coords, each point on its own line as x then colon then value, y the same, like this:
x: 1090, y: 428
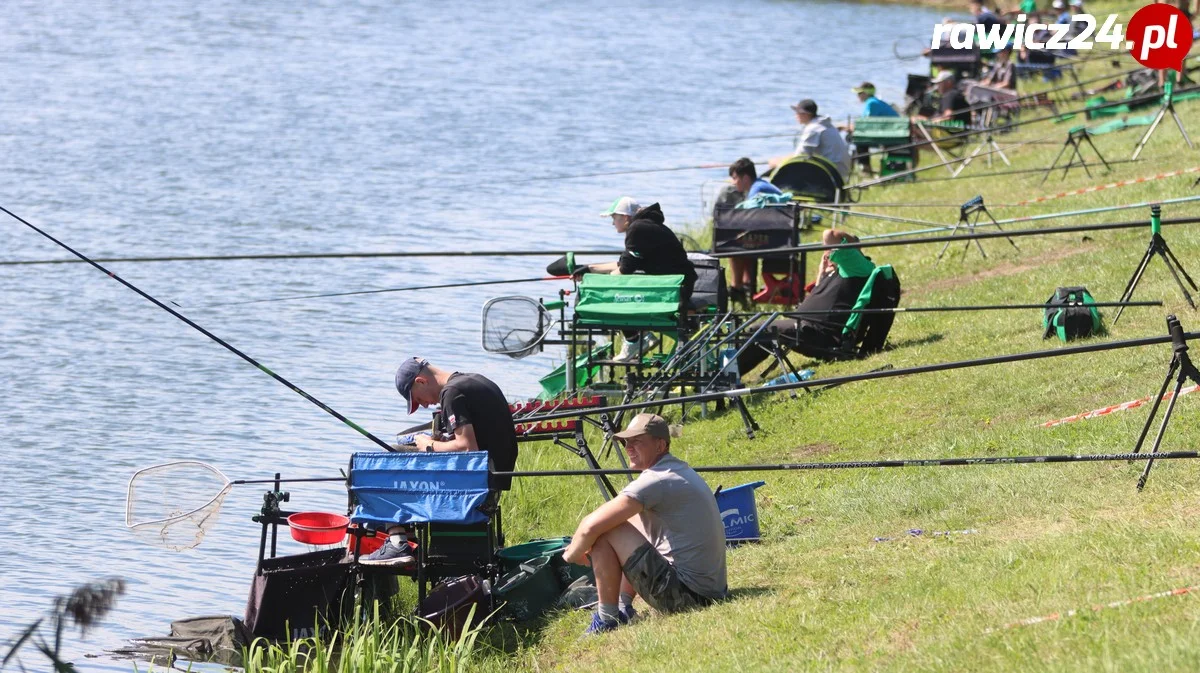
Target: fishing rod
x: 984, y: 307
x: 638, y: 171
x: 394, y: 289
x: 1036, y: 218
x: 1028, y: 202
x: 993, y: 174
x: 948, y: 162
x: 291, y: 386
x: 163, y: 527
x: 317, y: 255
x: 868, y: 376
x: 863, y: 464
x: 820, y: 465
x: 875, y: 242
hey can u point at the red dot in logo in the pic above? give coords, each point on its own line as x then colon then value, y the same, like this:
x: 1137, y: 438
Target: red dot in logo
x: 1160, y: 37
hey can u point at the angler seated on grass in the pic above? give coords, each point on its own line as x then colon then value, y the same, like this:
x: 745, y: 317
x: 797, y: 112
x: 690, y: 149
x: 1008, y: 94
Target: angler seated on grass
x: 841, y: 277
x: 472, y: 407
x: 660, y: 538
x: 651, y: 248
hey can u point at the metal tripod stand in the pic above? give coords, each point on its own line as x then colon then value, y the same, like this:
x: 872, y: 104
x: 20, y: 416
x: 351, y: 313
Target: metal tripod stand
x: 969, y: 215
x: 1076, y: 137
x: 1167, y: 106
x: 1181, y: 370
x: 1158, y: 246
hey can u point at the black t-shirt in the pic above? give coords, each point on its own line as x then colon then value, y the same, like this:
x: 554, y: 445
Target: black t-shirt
x: 471, y: 399
x: 954, y: 102
x: 833, y: 293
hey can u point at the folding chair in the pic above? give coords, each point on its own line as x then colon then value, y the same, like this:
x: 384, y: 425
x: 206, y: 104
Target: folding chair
x: 886, y: 132
x: 447, y: 501
x: 864, y: 333
x: 771, y: 226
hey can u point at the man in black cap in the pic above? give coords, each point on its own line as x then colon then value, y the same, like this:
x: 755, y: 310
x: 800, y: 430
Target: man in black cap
x: 818, y: 137
x: 474, y: 417
x: 661, y: 537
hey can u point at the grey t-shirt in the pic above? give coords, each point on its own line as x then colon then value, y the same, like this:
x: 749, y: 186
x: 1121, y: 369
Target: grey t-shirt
x: 681, y: 519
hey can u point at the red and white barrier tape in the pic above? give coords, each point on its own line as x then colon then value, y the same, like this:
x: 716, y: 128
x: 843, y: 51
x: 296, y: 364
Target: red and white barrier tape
x: 1097, y: 188
x: 1095, y: 608
x: 1104, y: 411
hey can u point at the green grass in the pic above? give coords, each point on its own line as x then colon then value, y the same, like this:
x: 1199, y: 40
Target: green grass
x: 818, y: 594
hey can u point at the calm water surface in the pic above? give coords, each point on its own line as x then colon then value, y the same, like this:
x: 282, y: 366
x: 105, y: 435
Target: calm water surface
x: 228, y: 127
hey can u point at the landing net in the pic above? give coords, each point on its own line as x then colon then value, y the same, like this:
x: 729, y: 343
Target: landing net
x: 514, y: 326
x: 176, y: 504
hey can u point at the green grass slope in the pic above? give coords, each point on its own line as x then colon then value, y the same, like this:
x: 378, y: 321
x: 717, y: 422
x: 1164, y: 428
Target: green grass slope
x: 818, y: 594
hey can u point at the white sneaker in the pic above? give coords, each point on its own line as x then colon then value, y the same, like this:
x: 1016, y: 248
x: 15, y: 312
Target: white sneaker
x: 631, y: 351
x: 634, y: 349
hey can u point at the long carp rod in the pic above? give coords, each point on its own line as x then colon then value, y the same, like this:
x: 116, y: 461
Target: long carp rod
x: 1037, y: 218
x: 392, y: 289
x: 820, y: 465
x: 862, y: 464
x: 1012, y: 233
x: 952, y: 309
x: 190, y: 323
x: 316, y: 255
x: 868, y: 376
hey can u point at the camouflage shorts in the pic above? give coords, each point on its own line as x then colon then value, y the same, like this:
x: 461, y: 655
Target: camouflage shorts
x: 657, y: 582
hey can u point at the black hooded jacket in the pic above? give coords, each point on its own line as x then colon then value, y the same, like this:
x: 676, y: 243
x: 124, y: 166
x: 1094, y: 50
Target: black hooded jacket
x: 653, y: 249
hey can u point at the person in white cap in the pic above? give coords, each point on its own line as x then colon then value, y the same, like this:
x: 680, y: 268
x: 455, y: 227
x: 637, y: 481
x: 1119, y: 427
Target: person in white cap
x: 651, y: 248
x: 660, y: 538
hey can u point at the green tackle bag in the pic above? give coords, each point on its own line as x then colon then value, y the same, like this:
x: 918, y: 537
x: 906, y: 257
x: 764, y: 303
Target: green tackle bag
x: 1071, y: 321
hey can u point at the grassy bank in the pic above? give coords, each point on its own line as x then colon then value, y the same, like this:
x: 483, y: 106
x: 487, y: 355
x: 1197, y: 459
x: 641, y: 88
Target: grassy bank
x: 818, y: 593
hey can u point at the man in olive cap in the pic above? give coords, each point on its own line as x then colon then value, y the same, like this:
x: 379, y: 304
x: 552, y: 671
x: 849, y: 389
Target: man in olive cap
x: 661, y: 537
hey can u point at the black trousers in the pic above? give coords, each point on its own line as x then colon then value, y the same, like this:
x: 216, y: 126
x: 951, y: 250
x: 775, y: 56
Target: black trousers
x: 787, y: 333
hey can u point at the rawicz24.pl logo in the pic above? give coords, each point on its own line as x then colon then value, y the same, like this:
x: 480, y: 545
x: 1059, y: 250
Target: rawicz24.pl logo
x: 1159, y: 35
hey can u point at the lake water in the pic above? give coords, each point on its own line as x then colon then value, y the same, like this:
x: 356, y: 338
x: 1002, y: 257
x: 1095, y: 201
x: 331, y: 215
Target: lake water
x: 226, y: 127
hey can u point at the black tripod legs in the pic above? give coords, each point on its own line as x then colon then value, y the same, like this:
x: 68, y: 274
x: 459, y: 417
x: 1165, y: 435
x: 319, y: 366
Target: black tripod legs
x: 1181, y: 369
x: 1158, y: 246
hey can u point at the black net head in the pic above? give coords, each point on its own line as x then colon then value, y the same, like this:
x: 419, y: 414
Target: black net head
x: 514, y: 326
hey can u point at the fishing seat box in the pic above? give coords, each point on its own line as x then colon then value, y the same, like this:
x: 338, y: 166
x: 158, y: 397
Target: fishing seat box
x: 291, y: 596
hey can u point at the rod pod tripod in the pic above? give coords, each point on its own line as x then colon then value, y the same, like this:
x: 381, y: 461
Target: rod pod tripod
x: 1168, y: 105
x: 969, y: 215
x: 1076, y: 137
x: 1158, y: 246
x: 1181, y: 369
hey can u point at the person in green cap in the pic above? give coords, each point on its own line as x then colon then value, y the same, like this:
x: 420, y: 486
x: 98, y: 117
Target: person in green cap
x: 872, y: 107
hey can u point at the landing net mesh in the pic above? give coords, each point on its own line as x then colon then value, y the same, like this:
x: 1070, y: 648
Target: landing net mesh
x: 176, y: 504
x: 514, y: 326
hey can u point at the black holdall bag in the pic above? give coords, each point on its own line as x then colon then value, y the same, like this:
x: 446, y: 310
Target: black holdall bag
x: 1071, y: 321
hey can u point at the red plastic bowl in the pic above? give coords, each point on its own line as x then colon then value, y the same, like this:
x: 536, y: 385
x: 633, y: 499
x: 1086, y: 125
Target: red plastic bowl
x: 318, y: 527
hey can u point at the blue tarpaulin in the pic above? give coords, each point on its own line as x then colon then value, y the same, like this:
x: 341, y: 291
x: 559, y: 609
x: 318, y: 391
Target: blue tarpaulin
x: 398, y: 488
